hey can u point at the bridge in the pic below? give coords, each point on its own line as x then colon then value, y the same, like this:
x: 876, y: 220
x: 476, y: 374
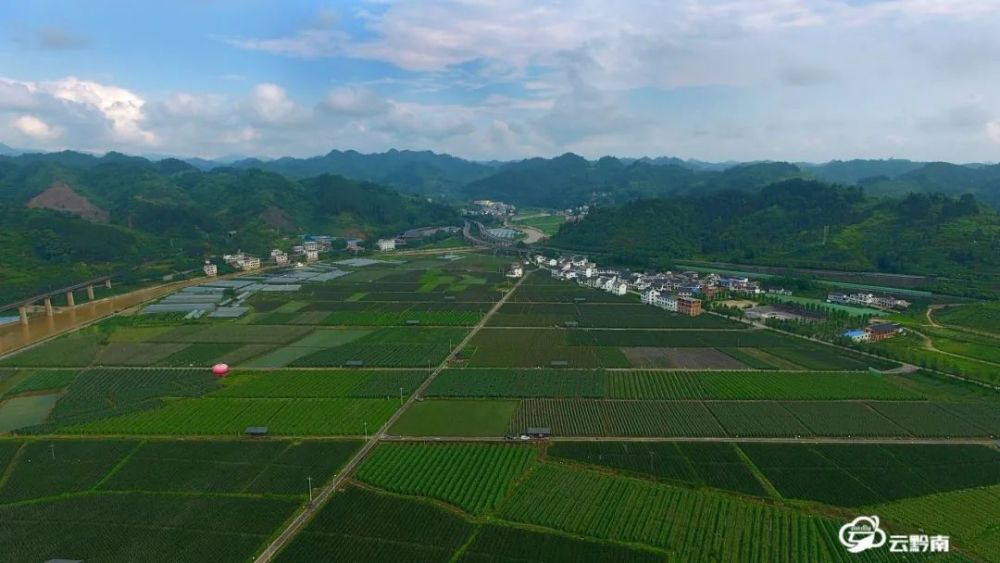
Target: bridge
x: 46, y: 298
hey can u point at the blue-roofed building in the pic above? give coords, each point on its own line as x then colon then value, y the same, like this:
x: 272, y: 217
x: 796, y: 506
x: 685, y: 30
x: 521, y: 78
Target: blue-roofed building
x: 857, y: 335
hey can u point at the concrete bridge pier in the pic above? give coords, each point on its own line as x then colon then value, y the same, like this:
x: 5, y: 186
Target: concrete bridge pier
x: 90, y: 292
x: 70, y: 300
x: 23, y: 311
x: 107, y: 283
x: 48, y: 307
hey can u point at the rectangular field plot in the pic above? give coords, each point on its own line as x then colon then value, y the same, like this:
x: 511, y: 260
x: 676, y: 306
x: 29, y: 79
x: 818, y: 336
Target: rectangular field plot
x: 861, y: 474
x: 155, y: 528
x: 680, y: 358
x: 102, y: 393
x: 454, y: 417
x: 517, y: 383
x: 225, y: 416
x: 497, y: 544
x: 228, y: 332
x: 615, y: 418
x: 757, y: 419
x: 537, y: 348
x: 753, y: 385
x: 50, y: 468
x: 690, y: 524
x: 314, y: 342
x: 276, y: 467
x: 76, y: 349
x: 843, y: 419
x: 136, y: 353
x: 969, y: 517
x: 389, y: 347
x: 475, y: 477
x: 602, y: 316
x: 362, y: 526
x: 321, y: 383
x: 712, y: 464
x: 930, y: 420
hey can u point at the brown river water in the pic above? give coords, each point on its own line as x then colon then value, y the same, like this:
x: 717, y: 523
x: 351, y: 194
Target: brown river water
x: 15, y: 335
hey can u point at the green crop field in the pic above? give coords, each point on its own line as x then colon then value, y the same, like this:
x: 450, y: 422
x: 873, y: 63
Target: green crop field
x: 455, y: 418
x: 983, y: 317
x: 593, y: 315
x: 774, y: 385
x: 504, y: 544
x: 615, y: 418
x: 44, y: 380
x: 155, y: 528
x: 364, y: 526
x: 234, y: 467
x: 674, y: 438
x: 691, y: 525
x: 229, y: 416
x: 711, y: 464
x: 475, y: 477
x: 860, y: 474
x: 518, y: 383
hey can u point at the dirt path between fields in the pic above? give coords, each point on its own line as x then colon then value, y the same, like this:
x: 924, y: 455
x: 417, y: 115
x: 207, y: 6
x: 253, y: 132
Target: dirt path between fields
x: 327, y: 491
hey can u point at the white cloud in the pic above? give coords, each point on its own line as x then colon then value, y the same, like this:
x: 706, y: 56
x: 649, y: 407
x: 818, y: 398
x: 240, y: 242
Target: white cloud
x: 270, y: 103
x: 35, y: 128
x: 355, y: 101
x: 993, y: 130
x: 121, y: 107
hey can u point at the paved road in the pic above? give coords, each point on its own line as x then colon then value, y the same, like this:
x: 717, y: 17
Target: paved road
x: 327, y: 490
x: 800, y: 440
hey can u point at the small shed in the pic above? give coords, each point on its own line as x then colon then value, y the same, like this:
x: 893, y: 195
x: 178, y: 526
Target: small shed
x: 579, y: 299
x: 571, y: 324
x: 256, y: 431
x: 538, y: 431
x: 354, y: 364
x: 412, y: 322
x: 558, y: 363
x: 449, y: 297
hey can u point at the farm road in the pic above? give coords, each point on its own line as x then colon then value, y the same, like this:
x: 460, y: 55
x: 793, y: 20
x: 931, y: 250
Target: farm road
x: 303, y: 517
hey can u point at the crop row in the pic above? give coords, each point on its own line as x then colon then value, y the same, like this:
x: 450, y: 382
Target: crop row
x: 473, y: 476
x: 225, y: 416
x: 321, y: 383
x: 582, y: 417
x: 602, y: 316
x: 860, y: 474
x: 693, y: 525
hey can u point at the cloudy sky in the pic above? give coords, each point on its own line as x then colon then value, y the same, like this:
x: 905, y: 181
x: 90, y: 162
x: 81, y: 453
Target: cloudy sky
x: 708, y: 79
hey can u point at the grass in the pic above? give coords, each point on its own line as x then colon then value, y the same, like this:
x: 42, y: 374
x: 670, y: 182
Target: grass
x: 983, y: 317
x: 77, y: 349
x: 455, y: 418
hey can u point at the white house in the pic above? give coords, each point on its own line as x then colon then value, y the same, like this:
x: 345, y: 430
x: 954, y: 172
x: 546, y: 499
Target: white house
x: 249, y: 263
x: 310, y: 245
x: 649, y: 296
x: 210, y: 269
x: 515, y: 271
x: 619, y: 288
x: 312, y: 255
x: 387, y: 244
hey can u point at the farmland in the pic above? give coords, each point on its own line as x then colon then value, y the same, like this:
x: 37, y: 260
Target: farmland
x: 672, y: 437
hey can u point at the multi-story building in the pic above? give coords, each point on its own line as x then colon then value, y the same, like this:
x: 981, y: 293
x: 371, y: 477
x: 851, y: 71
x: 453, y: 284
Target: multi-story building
x: 386, y: 244
x: 689, y: 306
x: 210, y: 269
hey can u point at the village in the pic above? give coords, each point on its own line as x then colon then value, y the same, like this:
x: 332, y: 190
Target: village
x: 684, y: 292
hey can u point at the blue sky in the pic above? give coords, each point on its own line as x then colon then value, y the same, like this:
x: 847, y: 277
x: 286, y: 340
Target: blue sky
x: 708, y: 79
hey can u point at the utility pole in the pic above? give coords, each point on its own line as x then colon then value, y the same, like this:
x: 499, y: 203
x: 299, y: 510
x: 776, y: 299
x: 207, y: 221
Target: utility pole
x: 52, y: 448
x: 366, y: 431
x: 400, y: 395
x: 310, y: 480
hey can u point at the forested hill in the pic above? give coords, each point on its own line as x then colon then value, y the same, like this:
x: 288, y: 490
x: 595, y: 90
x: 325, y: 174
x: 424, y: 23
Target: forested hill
x: 67, y: 217
x: 417, y: 172
x: 783, y: 225
x: 572, y: 180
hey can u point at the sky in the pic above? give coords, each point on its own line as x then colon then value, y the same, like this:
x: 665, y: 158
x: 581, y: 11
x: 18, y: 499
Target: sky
x: 796, y: 80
